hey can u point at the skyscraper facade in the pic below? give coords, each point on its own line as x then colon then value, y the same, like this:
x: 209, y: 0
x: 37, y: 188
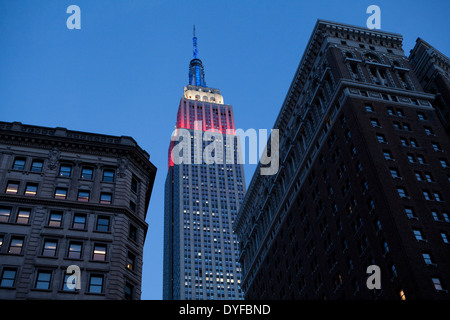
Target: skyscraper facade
x: 202, y: 197
x: 364, y: 180
x: 72, y: 214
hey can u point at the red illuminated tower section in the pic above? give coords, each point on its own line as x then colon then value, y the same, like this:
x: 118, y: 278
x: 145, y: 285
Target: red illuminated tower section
x: 202, y: 200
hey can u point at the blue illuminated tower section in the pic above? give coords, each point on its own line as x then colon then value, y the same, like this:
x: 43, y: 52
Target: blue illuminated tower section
x: 202, y: 200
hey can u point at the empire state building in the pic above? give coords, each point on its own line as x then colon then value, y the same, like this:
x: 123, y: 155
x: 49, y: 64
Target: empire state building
x: 202, y: 198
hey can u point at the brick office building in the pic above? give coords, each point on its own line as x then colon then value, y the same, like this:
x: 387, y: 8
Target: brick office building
x: 363, y: 180
x: 71, y: 198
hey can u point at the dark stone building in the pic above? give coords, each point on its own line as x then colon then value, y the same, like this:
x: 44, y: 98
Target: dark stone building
x: 432, y: 68
x: 364, y: 180
x: 71, y: 198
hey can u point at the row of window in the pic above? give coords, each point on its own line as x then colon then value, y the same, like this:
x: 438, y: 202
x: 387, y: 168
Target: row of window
x: 55, y: 219
x: 44, y: 279
x: 395, y: 112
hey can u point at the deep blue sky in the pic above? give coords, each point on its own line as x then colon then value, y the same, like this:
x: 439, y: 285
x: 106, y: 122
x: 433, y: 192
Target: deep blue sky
x: 123, y: 73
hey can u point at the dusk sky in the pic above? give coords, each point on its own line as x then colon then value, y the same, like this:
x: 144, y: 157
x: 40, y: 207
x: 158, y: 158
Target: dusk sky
x: 123, y: 72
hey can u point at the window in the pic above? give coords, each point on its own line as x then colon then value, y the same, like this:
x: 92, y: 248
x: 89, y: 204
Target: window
x: 435, y: 215
x: 445, y: 216
x: 128, y: 291
x: 437, y: 196
x: 83, y: 195
x: 87, y: 173
x: 49, y: 249
x: 413, y: 143
x: 134, y: 184
x: 444, y: 237
x: 402, y: 192
x: 390, y: 111
x: 429, y: 131
x: 421, y: 116
x: 406, y: 127
x: 16, y: 245
x: 427, y: 195
x: 103, y: 224
x: 421, y: 159
x: 65, y: 170
x: 55, y: 218
x: 5, y: 213
x: 410, y: 213
x: 96, y: 283
x: 75, y: 249
x: 23, y: 216
x: 1, y: 241
x: 400, y: 113
x: 437, y: 284
x: 444, y: 163
x: 418, y: 175
x: 132, y: 206
x: 99, y: 252
x: 427, y: 258
x: 108, y: 175
x: 375, y: 123
x: 66, y: 281
x: 19, y: 164
x: 60, y: 193
x: 429, y: 177
x: 436, y: 146
x: 79, y: 221
x: 388, y: 155
x: 418, y: 235
x: 395, y: 173
x: 411, y: 158
x: 105, y: 198
x: 381, y: 138
x: 8, y: 277
x: 12, y: 187
x: 31, y: 189
x: 369, y: 108
x: 402, y: 295
x: 43, y: 280
x: 404, y: 142
x: 132, y: 234
x: 130, y: 261
x: 37, y: 165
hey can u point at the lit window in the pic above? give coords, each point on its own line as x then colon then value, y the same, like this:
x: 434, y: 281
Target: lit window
x: 19, y: 164
x: 12, y: 187
x: 31, y: 189
x: 65, y: 170
x: 60, y: 193
x: 8, y: 278
x: 49, y: 248
x: 37, y: 165
x: 83, y: 195
x: 23, y: 216
x: 43, y: 280
x: 99, y: 252
x: 16, y: 245
x: 55, y: 219
x: 402, y: 295
x: 130, y: 261
x: 74, y: 250
x: 5, y: 213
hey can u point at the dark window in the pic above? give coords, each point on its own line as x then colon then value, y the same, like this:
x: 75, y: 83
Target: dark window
x: 66, y: 281
x: 23, y: 216
x: 128, y: 291
x: 19, y: 164
x: 105, y: 198
x: 87, y: 173
x: 134, y: 184
x: 108, y: 175
x: 49, y: 249
x: 60, y: 193
x: 79, y: 221
x: 132, y: 206
x: 99, y: 252
x: 421, y: 116
x: 103, y: 223
x: 132, y: 233
x: 418, y: 235
x: 16, y: 245
x: 5, y: 213
x: 96, y: 283
x: 12, y: 187
x: 31, y: 189
x: 75, y: 249
x: 8, y: 277
x: 55, y: 218
x: 43, y: 280
x: 37, y: 165
x: 65, y: 170
x: 388, y: 155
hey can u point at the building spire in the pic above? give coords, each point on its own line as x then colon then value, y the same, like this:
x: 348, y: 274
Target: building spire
x: 196, y: 71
